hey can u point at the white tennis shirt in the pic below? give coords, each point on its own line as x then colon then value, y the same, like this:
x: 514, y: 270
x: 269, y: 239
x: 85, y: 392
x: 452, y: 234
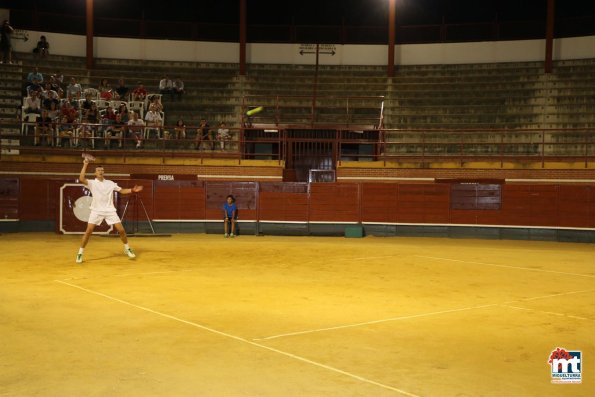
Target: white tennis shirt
x: 103, y: 195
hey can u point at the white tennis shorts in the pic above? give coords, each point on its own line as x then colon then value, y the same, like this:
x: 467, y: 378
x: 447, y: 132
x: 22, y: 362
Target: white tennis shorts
x: 111, y: 218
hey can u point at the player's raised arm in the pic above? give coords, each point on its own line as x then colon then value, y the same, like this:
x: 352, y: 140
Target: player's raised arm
x: 82, y: 178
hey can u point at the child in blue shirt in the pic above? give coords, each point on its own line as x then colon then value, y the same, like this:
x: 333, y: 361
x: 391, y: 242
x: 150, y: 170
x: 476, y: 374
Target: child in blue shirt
x: 231, y: 214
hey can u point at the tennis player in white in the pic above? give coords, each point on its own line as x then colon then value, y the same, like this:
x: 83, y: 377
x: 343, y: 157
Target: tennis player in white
x: 102, y: 207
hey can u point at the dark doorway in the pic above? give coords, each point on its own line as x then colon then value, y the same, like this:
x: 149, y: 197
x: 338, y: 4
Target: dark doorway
x: 308, y: 150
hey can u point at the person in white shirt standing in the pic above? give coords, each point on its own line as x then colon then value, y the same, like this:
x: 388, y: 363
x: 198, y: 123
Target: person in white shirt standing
x: 166, y: 87
x: 102, y: 207
x: 178, y: 88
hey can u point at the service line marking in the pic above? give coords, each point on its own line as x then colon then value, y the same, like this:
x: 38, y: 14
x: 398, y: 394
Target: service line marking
x: 384, y: 320
x: 240, y: 339
x: 506, y: 266
x: 546, y: 312
x: 354, y: 325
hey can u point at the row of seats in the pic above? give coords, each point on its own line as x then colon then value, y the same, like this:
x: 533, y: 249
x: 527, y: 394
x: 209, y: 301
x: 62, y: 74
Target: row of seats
x: 102, y: 105
x: 91, y: 132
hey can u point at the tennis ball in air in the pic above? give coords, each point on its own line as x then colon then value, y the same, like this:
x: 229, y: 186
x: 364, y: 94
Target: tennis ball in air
x: 252, y: 112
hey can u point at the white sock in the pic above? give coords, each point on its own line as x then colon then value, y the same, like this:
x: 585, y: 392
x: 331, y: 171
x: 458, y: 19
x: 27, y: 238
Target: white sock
x: 81, y: 250
x: 126, y: 246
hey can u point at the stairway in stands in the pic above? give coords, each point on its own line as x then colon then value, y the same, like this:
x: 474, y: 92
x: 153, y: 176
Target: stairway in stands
x: 10, y: 105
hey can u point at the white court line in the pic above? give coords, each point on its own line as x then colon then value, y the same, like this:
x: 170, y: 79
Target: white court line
x: 239, y: 339
x: 506, y: 266
x: 384, y: 320
x: 550, y: 296
x: 541, y: 311
x: 128, y: 274
x: 311, y: 331
x: 152, y: 273
x: 365, y: 258
x: 350, y: 259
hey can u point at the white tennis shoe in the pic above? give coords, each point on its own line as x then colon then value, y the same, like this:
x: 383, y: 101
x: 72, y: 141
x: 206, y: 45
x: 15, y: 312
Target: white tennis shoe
x: 79, y: 258
x: 129, y: 252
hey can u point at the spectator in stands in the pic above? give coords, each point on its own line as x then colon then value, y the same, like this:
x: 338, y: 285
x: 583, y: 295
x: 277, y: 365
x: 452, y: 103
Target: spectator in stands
x: 93, y: 114
x: 5, y: 42
x: 116, y: 130
x: 110, y: 114
x: 53, y: 111
x: 92, y: 91
x: 35, y: 75
x: 33, y: 103
x: 223, y: 134
x: 44, y: 129
x: 136, y: 128
x: 122, y: 90
x: 84, y: 132
x: 35, y: 86
x: 65, y: 131
x: 69, y: 112
x: 166, y: 87
x: 123, y: 112
x: 42, y: 49
x: 89, y: 124
x: 105, y: 90
x: 139, y: 93
x: 59, y: 77
x: 34, y: 80
x: 75, y: 101
x: 48, y: 96
x: 87, y: 104
x: 90, y: 121
x: 108, y: 119
x: 178, y: 88
x: 73, y: 88
x: 155, y: 101
x: 203, y: 132
x: 104, y: 85
x: 55, y: 85
x: 180, y: 130
x: 154, y: 121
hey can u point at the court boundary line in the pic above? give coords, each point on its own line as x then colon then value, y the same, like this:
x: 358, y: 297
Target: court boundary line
x: 400, y: 318
x: 240, y: 339
x: 505, y: 266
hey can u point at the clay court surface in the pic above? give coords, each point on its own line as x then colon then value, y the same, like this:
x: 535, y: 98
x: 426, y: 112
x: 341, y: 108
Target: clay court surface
x: 200, y: 315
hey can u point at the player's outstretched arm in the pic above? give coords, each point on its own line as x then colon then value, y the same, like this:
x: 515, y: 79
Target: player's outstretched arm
x: 135, y: 189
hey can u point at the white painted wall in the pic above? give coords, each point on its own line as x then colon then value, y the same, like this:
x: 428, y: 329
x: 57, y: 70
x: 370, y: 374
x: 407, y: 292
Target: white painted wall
x: 475, y: 52
x: 409, y: 54
x: 60, y: 44
x: 574, y: 48
x: 166, y: 50
x: 290, y: 54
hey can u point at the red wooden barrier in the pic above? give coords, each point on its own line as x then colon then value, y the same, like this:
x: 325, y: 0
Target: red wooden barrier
x: 537, y: 205
x: 334, y: 202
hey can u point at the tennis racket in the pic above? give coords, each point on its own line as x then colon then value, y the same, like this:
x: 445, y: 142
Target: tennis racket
x: 88, y: 156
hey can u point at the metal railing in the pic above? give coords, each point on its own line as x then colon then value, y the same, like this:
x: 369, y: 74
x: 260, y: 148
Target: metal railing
x: 306, y: 110
x: 496, y: 146
x: 493, y: 145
